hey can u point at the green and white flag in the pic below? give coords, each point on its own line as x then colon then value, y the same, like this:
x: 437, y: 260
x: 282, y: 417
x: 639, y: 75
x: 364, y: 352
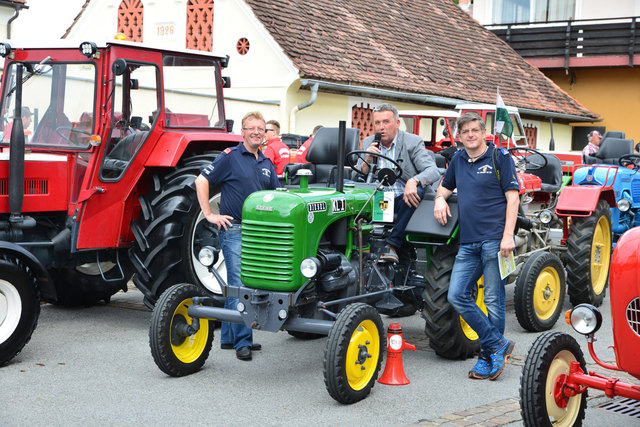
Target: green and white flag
x: 503, y: 121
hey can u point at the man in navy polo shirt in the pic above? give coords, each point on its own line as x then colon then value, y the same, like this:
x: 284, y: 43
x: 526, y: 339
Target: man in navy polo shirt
x: 239, y: 171
x: 485, y: 177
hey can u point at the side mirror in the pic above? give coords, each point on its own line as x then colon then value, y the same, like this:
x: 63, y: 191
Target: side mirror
x: 119, y: 66
x: 229, y: 124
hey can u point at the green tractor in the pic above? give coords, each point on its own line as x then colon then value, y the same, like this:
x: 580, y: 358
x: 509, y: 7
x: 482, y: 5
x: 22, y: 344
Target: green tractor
x: 310, y: 267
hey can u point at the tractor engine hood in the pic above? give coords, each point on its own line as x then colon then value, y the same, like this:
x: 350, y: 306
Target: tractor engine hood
x: 46, y: 183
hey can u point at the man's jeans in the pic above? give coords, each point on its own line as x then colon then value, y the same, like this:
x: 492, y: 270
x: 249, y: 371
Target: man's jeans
x: 474, y: 260
x: 403, y: 214
x: 233, y: 333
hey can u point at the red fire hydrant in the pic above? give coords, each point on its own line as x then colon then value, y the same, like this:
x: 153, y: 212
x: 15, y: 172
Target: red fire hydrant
x: 393, y: 371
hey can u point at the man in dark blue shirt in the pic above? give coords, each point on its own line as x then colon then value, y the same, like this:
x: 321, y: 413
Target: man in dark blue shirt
x: 485, y: 178
x: 239, y: 171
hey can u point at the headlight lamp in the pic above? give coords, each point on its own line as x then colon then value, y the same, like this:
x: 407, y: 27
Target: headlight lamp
x: 309, y: 267
x: 624, y: 205
x: 585, y: 319
x: 546, y: 216
x: 207, y: 256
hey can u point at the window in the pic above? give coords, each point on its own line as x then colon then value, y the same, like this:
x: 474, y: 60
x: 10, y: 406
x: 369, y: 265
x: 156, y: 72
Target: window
x: 59, y: 97
x: 130, y: 13
x: 200, y: 24
x: 191, y: 94
x: 522, y: 11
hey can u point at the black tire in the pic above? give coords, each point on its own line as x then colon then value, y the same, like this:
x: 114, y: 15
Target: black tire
x: 20, y: 297
x: 547, y: 359
x: 170, y: 232
x: 449, y: 336
x: 589, y: 256
x: 81, y: 284
x: 354, y: 352
x: 176, y: 353
x: 539, y: 293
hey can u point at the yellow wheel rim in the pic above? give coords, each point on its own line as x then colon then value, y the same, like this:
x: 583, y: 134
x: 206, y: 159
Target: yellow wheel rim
x: 564, y: 417
x: 466, y: 329
x: 191, y: 347
x: 362, y: 354
x: 600, y: 255
x: 546, y: 293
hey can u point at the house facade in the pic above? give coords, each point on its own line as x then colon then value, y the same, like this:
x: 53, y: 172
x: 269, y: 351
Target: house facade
x: 588, y: 49
x: 310, y: 63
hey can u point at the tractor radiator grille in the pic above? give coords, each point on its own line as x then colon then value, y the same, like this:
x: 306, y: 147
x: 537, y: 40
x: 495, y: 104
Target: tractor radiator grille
x: 32, y: 186
x: 635, y: 189
x: 267, y: 254
x: 633, y: 315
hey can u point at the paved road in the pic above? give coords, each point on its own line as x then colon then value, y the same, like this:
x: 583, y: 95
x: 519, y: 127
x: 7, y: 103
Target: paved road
x: 93, y: 366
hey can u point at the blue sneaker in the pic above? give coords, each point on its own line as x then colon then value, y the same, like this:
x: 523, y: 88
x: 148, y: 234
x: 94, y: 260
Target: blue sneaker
x: 499, y: 359
x: 483, y: 366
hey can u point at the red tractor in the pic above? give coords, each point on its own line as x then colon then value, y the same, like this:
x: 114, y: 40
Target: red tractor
x: 100, y: 184
x: 554, y: 382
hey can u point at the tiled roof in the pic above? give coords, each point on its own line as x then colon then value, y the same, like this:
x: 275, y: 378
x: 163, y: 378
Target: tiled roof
x: 428, y: 47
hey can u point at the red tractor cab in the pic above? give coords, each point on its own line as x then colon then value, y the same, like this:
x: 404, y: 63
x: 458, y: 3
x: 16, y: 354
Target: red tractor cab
x: 555, y: 380
x: 435, y: 127
x: 99, y: 186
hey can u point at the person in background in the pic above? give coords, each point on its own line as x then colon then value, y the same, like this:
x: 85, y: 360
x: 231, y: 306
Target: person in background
x: 26, y: 122
x: 275, y: 150
x: 488, y: 201
x: 594, y: 137
x: 239, y: 171
x: 301, y: 156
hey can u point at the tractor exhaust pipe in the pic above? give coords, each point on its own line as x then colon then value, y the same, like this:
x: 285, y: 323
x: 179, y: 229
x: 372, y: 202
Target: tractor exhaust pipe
x: 340, y: 161
x: 16, y: 156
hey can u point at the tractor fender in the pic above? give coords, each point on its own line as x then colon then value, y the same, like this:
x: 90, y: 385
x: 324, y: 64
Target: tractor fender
x: 172, y: 145
x: 581, y: 200
x: 45, y: 283
x: 423, y: 223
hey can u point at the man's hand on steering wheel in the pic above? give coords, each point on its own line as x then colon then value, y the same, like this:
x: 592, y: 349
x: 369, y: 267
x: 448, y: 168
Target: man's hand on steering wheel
x: 362, y: 155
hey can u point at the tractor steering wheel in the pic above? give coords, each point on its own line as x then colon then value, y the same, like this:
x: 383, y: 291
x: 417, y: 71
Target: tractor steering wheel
x: 361, y: 154
x: 630, y: 160
x: 524, y: 162
x: 59, y: 130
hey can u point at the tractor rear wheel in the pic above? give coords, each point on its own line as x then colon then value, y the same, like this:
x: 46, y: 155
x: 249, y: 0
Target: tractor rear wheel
x: 547, y: 364
x: 539, y: 293
x: 353, y: 354
x: 171, y: 231
x: 177, y: 350
x: 19, y: 309
x: 589, y: 256
x: 449, y: 335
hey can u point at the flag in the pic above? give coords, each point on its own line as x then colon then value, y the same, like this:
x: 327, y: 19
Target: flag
x: 503, y: 121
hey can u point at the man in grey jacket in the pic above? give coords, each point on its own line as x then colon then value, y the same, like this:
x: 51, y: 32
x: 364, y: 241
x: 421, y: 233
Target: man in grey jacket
x: 418, y: 170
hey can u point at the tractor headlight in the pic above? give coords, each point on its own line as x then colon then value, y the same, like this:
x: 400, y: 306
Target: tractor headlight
x: 309, y: 267
x: 207, y: 256
x: 5, y: 49
x: 624, y: 205
x: 545, y: 216
x: 88, y: 49
x: 585, y: 319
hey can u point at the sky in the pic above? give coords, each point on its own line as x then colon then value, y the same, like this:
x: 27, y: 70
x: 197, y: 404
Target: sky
x: 45, y: 19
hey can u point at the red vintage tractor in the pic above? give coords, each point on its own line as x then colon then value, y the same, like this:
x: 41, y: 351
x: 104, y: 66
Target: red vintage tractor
x: 101, y: 185
x: 554, y: 382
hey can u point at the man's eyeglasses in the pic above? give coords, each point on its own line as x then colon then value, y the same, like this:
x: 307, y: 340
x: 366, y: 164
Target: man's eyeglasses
x: 468, y: 131
x: 259, y: 130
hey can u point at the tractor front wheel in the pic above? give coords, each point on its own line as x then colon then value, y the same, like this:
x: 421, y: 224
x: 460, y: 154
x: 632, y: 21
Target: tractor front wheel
x: 177, y: 348
x: 449, y: 335
x: 353, y: 354
x: 539, y: 293
x: 542, y: 400
x: 19, y: 309
x: 589, y: 256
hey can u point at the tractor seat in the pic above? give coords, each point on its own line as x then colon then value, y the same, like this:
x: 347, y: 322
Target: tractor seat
x: 551, y: 174
x: 323, y: 156
x: 611, y: 149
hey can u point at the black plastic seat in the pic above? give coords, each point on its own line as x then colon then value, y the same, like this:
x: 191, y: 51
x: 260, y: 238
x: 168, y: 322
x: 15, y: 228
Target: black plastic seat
x: 550, y: 174
x: 611, y: 149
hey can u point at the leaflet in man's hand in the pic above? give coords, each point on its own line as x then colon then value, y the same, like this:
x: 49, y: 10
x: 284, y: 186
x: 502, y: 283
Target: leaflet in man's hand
x: 507, y: 265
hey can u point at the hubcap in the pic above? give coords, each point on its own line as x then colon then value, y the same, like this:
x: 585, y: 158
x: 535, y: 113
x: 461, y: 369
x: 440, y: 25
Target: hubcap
x: 202, y: 236
x: 558, y: 370
x: 600, y: 255
x: 546, y: 293
x: 362, y: 354
x: 10, y: 310
x: 187, y: 348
